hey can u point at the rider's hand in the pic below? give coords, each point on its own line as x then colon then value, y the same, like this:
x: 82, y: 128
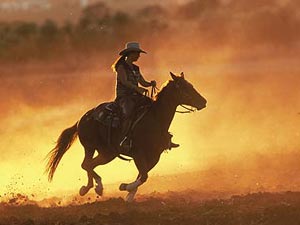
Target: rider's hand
x: 141, y: 90
x: 153, y: 83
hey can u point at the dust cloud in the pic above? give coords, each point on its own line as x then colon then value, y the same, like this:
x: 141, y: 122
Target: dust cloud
x: 243, y: 57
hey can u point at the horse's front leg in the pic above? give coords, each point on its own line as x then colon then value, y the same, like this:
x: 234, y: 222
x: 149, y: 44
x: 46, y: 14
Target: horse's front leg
x: 143, y: 165
x: 133, y: 187
x: 142, y: 178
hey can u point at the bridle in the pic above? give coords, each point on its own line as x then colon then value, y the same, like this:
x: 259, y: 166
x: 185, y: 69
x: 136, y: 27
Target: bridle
x: 154, y: 90
x: 189, y: 110
x: 182, y: 93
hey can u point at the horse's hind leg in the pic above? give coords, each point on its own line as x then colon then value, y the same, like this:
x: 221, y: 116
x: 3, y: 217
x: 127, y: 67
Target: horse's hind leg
x: 100, y: 159
x: 89, y: 153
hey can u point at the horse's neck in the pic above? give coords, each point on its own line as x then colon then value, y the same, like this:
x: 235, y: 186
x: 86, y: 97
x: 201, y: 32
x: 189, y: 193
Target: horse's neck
x: 165, y: 108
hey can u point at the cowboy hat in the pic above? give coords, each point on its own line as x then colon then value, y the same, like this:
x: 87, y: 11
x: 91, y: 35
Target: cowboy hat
x: 131, y: 47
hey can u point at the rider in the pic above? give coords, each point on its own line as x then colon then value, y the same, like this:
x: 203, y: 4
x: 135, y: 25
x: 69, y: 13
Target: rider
x: 129, y: 93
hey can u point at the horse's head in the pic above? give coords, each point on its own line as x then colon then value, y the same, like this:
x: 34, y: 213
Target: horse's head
x: 186, y: 93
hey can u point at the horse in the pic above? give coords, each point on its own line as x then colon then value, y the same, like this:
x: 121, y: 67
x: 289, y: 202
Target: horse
x: 148, y: 137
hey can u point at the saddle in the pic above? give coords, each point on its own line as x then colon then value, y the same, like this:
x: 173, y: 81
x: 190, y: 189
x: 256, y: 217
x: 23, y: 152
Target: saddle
x: 110, y: 115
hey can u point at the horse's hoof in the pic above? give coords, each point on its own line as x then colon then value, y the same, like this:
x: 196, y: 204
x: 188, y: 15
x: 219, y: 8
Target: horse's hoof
x: 83, y: 190
x: 99, y: 190
x: 123, y: 187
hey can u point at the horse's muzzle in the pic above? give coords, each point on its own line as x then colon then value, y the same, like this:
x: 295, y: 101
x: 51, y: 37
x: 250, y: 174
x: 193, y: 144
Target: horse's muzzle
x: 202, y: 106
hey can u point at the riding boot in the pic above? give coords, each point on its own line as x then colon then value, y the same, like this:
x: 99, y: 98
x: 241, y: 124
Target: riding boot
x: 170, y: 143
x: 126, y: 141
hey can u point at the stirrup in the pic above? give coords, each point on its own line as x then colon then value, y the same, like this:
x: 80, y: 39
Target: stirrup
x: 124, y: 144
x: 123, y: 141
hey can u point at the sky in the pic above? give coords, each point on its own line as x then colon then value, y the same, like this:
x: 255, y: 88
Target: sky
x: 245, y: 66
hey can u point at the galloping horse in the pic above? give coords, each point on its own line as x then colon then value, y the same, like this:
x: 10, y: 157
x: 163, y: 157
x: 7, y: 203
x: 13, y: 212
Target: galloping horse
x: 148, y: 137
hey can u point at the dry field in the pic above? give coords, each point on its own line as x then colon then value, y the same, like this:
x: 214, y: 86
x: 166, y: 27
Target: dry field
x: 178, y: 208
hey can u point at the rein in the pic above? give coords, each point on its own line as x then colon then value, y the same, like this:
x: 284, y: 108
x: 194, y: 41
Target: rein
x: 154, y: 90
x: 189, y: 110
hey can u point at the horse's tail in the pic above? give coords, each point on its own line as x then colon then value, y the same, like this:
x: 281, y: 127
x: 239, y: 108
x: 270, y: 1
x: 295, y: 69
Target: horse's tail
x: 63, y: 143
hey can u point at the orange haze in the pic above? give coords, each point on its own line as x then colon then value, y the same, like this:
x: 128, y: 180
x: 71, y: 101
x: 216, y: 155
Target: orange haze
x: 247, y: 139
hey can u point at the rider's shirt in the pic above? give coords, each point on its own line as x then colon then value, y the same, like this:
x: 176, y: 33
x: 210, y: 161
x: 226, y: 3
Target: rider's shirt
x: 133, y: 75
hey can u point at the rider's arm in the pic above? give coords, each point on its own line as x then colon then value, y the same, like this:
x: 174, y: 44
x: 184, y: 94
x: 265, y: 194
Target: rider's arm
x: 143, y: 82
x: 121, y: 73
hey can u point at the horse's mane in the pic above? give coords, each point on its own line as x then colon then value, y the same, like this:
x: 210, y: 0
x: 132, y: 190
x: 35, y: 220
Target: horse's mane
x: 165, y: 86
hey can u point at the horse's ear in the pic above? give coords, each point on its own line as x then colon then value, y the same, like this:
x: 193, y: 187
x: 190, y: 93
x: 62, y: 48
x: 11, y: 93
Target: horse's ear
x: 182, y: 75
x: 174, y: 77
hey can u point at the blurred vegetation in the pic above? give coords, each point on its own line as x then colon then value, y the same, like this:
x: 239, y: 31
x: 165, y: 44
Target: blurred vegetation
x: 210, y: 23
x: 98, y: 29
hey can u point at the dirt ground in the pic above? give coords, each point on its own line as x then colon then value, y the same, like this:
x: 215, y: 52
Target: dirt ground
x: 178, y: 208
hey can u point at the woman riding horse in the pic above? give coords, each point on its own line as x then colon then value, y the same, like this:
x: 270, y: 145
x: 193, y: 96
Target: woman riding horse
x: 148, y: 134
x: 129, y: 94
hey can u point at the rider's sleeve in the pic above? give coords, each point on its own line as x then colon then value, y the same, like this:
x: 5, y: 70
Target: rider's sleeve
x: 142, y: 80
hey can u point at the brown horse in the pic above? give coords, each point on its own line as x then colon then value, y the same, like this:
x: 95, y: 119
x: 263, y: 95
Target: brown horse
x: 148, y: 137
